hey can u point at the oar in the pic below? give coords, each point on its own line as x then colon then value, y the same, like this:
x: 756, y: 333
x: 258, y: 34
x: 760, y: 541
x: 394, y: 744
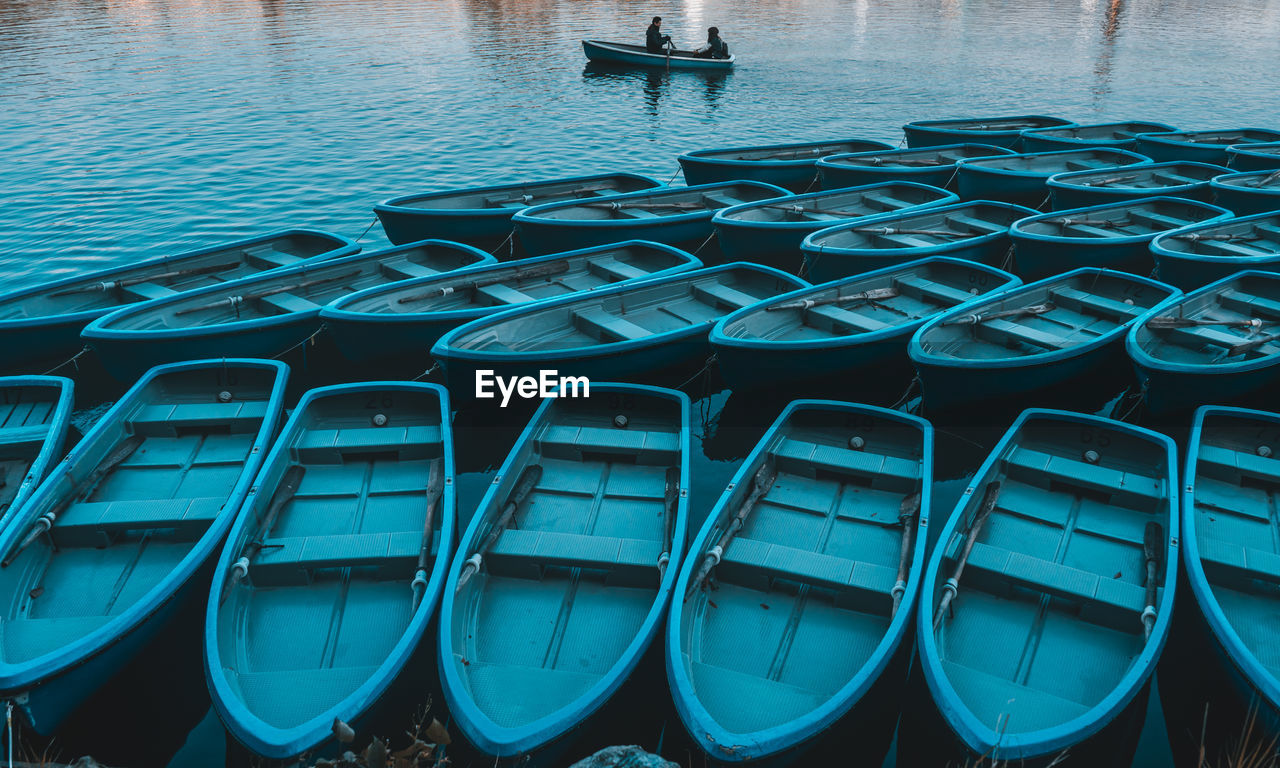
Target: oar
x: 46, y: 521
x: 1002, y: 126
x: 1067, y: 221
x: 285, y: 492
x: 873, y: 294
x: 762, y: 482
x: 879, y: 161
x: 1196, y: 236
x: 554, y: 268
x: 531, y: 198
x: 982, y: 317
x: 792, y: 208
x: 1252, y: 344
x: 1111, y: 180
x: 952, y: 586
x: 524, y: 486
x: 238, y: 300
x: 898, y: 231
x: 619, y: 206
x: 1163, y: 322
x: 790, y: 154
x: 668, y: 518
x: 111, y: 285
x: 435, y: 489
x: 1267, y: 180
x: 908, y: 513
x: 1152, y: 549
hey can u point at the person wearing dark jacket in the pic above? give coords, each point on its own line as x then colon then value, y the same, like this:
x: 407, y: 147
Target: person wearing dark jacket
x: 715, y: 47
x: 654, y: 40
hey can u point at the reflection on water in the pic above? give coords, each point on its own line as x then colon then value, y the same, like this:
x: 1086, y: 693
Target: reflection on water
x: 1106, y: 53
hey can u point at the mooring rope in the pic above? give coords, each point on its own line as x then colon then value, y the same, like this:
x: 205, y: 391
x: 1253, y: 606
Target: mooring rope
x: 69, y: 361
x: 704, y: 244
x: 427, y: 373
x: 1044, y: 202
x: 510, y: 241
x: 1008, y: 259
x: 915, y: 381
x: 704, y: 369
x: 816, y: 178
x: 674, y: 175
x: 366, y: 229
x: 310, y: 338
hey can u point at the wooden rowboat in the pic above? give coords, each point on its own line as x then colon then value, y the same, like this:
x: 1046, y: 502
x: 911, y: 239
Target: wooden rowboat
x: 347, y: 533
x: 1048, y: 599
x: 1080, y: 189
x: 1003, y: 131
x: 925, y: 165
x: 1021, y: 179
x: 1248, y: 193
x: 1202, y: 253
x: 815, y: 549
x: 562, y: 580
x: 602, y: 52
x: 106, y: 549
x: 1113, y: 135
x: 35, y: 412
x: 1200, y: 146
x: 784, y: 165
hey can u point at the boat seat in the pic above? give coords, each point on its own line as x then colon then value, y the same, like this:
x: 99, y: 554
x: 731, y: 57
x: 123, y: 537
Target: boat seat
x: 846, y: 461
x: 723, y: 295
x: 844, y: 322
x: 558, y: 437
x: 1231, y: 497
x: 1242, y: 463
x: 411, y: 269
x: 991, y: 566
x: 1236, y: 562
x: 149, y: 291
x: 1003, y: 332
x: 86, y: 523
x: 1086, y: 230
x: 929, y: 289
x: 615, y: 270
x: 347, y: 440
x: 1248, y: 304
x: 608, y: 327
x: 635, y: 560
x: 973, y: 223
x: 287, y: 303
x: 720, y: 200
x: 503, y: 294
x: 1225, y: 248
x: 643, y: 213
x: 755, y: 563
x: 164, y: 419
x: 1095, y: 304
x: 286, y: 560
x: 1029, y: 464
x: 1172, y: 179
x: 1196, y: 337
x: 35, y: 433
x: 1159, y: 221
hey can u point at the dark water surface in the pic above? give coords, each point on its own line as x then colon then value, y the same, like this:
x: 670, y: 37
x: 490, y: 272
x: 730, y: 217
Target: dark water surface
x: 132, y: 128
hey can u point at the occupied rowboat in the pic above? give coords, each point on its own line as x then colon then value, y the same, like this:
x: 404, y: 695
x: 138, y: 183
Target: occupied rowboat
x: 1029, y: 339
x: 104, y: 552
x: 1080, y: 189
x: 44, y: 321
x: 770, y: 232
x: 1248, y: 193
x: 402, y: 320
x: 35, y: 412
x: 1000, y: 131
x: 1048, y: 599
x: 1113, y: 135
x: 859, y: 323
x: 562, y: 580
x: 262, y: 315
x: 481, y: 216
x: 926, y: 165
x: 1215, y: 343
x: 347, y: 533
x: 611, y: 333
x: 678, y: 216
x: 1115, y: 235
x: 1202, y: 253
x: 1200, y: 146
x: 976, y: 231
x: 1021, y: 178
x: 604, y: 52
x: 785, y: 165
x: 1254, y: 157
x: 816, y: 549
x: 1230, y: 554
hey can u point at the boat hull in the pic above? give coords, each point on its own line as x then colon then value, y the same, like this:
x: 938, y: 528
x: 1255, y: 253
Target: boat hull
x: 835, y: 175
x: 1178, y: 145
x: 602, y: 52
x: 796, y: 176
x: 1251, y: 157
x: 1234, y: 193
x: 929, y: 133
x: 1169, y: 392
x: 823, y: 266
x: 977, y: 179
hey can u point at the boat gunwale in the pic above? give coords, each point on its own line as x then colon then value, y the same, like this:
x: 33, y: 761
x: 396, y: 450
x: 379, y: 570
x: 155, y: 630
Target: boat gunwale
x: 272, y: 741
x: 1063, y: 180
x: 705, y: 156
x: 16, y: 678
x: 1226, y: 181
x: 506, y: 741
x: 723, y: 216
x: 1046, y: 741
x: 956, y: 125
x: 533, y: 214
x: 730, y: 746
x: 1016, y: 232
x: 978, y: 164
x: 1255, y: 149
x: 397, y: 205
x: 809, y: 246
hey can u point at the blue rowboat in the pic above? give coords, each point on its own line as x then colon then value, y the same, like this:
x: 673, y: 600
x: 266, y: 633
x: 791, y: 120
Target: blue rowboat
x: 43, y: 322
x: 1254, y: 157
x: 1248, y: 193
x: 1021, y: 179
x: 1004, y: 131
x: 935, y: 166
x: 1200, y: 146
x: 402, y: 320
x: 1213, y: 344
x: 105, y: 551
x: 1231, y: 560
x: 1029, y: 339
x: 603, y: 52
x: 1202, y: 253
x: 846, y: 328
x: 1068, y: 541
x: 1112, y: 135
x: 770, y: 232
x: 334, y: 566
x: 263, y: 315
x: 562, y: 580
x: 784, y: 165
x: 1115, y: 235
x: 613, y: 333
x: 975, y: 231
x: 1081, y: 189
x: 35, y: 412
x: 816, y: 549
x: 678, y: 216
x: 481, y: 216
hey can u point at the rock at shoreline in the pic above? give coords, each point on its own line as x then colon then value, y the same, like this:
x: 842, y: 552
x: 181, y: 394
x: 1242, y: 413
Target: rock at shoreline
x: 623, y: 757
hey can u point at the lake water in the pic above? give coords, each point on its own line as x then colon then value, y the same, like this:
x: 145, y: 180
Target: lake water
x: 138, y: 127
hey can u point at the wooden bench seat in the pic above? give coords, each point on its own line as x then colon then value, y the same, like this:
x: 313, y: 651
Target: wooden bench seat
x: 607, y: 327
x: 928, y: 289
x: 1074, y: 298
x: 167, y: 416
x: 87, y: 521
x: 503, y: 294
x: 635, y: 558
x: 723, y: 295
x: 1235, y: 561
x: 607, y: 440
x: 757, y: 563
x: 287, y: 303
x: 846, y: 460
x: 614, y: 269
x: 1030, y: 463
x: 149, y: 291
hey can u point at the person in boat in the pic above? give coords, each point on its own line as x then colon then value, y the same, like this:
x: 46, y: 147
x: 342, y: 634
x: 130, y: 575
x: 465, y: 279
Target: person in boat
x: 715, y: 48
x: 654, y: 40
